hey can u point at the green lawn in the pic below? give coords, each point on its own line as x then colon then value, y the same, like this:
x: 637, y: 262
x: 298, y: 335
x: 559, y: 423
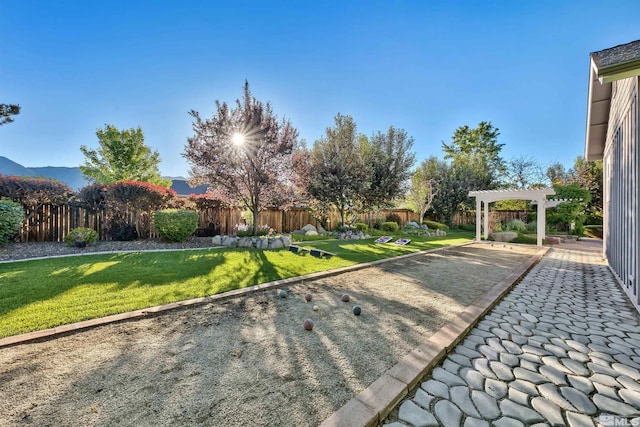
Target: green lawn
x: 42, y: 294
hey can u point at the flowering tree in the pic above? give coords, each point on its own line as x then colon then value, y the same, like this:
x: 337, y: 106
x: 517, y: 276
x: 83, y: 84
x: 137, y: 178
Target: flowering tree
x: 244, y: 154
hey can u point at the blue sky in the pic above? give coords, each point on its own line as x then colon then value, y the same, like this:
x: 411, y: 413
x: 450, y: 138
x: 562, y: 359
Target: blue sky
x: 424, y: 66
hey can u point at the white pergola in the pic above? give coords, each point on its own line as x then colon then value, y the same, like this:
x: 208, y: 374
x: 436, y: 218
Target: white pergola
x: 538, y: 196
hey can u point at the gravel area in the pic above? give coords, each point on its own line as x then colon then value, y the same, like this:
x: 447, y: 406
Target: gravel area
x: 17, y: 251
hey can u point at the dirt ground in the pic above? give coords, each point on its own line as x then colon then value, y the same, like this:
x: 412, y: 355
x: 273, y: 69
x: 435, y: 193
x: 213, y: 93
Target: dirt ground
x: 248, y: 360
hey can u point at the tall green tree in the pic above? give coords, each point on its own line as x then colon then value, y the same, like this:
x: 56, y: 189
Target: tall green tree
x: 388, y: 159
x: 455, y: 180
x: 337, y: 174
x: 6, y: 111
x: 589, y: 175
x: 479, y: 145
x: 244, y: 154
x: 121, y: 156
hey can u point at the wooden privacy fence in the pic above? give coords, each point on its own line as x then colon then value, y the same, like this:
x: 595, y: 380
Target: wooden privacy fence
x: 52, y: 223
x: 469, y: 217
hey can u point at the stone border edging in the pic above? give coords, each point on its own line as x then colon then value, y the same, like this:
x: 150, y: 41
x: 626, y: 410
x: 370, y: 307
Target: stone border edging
x: 146, y: 312
x: 372, y: 405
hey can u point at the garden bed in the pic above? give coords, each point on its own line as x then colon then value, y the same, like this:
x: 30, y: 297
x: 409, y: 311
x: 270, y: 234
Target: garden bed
x: 248, y: 360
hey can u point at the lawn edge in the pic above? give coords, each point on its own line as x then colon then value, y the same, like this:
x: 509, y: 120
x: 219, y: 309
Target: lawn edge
x: 376, y: 401
x: 51, y: 333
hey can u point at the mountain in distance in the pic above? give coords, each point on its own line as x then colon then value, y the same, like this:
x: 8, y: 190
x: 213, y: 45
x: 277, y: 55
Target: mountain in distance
x: 9, y: 167
x: 70, y: 176
x: 75, y: 180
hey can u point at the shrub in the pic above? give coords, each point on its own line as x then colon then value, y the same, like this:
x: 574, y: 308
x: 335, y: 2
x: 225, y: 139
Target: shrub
x: 122, y: 231
x: 175, y: 225
x: 11, y: 217
x: 437, y: 225
x: 246, y: 230
x: 516, y: 225
x: 82, y: 236
x: 523, y: 238
x: 377, y: 221
x: 467, y: 227
x: 35, y: 191
x: 345, y: 229
x: 392, y: 217
x: 361, y: 226
x: 389, y: 226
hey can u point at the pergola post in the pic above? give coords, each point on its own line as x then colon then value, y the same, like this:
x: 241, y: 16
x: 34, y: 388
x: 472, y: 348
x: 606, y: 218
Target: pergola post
x: 478, y: 218
x: 486, y: 220
x: 541, y: 220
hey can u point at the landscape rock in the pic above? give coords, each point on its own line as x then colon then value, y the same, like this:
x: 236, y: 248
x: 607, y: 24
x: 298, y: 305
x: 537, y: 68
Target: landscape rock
x: 275, y: 243
x: 217, y: 240
x: 311, y: 233
x: 262, y: 243
x: 412, y: 224
x: 504, y: 236
x: 321, y: 230
x: 308, y: 228
x: 230, y: 242
x: 245, y: 242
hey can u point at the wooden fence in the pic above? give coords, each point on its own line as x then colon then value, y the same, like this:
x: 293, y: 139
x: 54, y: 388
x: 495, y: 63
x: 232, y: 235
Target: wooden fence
x: 469, y: 217
x: 52, y: 223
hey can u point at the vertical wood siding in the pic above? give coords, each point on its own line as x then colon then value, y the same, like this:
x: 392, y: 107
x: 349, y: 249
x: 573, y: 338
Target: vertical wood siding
x: 622, y: 160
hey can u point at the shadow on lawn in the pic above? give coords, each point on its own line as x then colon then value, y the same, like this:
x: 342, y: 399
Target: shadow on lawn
x: 174, y: 276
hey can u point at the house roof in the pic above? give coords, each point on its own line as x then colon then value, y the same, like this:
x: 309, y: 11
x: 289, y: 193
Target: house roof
x: 607, y: 66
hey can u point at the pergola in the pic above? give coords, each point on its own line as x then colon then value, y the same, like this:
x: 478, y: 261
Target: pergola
x: 539, y: 196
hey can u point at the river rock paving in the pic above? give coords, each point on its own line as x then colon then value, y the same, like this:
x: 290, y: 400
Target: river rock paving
x: 562, y: 348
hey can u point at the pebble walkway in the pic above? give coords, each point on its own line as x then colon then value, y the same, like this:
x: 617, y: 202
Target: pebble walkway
x: 563, y: 348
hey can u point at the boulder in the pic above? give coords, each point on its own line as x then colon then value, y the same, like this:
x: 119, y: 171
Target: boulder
x: 286, y: 240
x: 217, y: 240
x: 230, y: 242
x: 311, y: 233
x: 308, y: 228
x: 504, y: 236
x: 262, y: 243
x: 412, y: 224
x: 321, y: 230
x: 275, y: 243
x: 245, y: 242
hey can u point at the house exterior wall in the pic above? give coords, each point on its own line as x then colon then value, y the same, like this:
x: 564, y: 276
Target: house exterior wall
x: 621, y: 189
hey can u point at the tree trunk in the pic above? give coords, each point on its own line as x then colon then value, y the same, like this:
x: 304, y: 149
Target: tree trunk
x: 255, y: 213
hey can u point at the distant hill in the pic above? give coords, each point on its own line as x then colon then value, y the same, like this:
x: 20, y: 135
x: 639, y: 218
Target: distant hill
x: 70, y: 176
x: 9, y: 167
x: 74, y: 178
